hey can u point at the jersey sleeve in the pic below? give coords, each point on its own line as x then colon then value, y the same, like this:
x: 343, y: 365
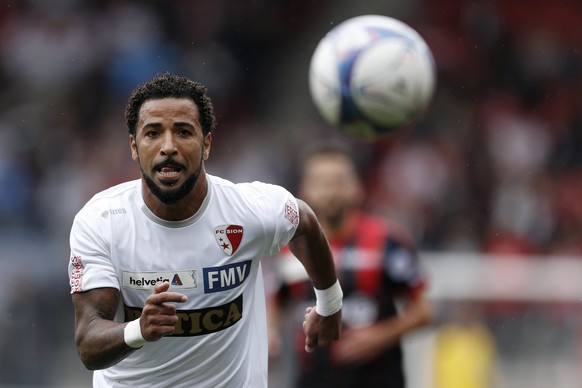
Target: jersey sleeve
x: 90, y: 264
x: 285, y: 217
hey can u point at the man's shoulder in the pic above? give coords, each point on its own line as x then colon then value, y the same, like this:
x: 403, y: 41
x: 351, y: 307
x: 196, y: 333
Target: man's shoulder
x: 384, y: 226
x: 249, y: 189
x: 111, y: 198
x: 371, y: 224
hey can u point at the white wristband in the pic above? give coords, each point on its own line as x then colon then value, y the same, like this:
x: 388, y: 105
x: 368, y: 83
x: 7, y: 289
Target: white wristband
x: 329, y: 301
x: 132, y: 334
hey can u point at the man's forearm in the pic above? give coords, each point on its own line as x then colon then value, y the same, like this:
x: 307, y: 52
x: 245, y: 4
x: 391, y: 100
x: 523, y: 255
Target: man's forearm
x: 102, y: 344
x: 99, y: 339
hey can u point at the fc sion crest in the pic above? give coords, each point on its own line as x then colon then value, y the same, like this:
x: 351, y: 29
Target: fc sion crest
x: 228, y: 237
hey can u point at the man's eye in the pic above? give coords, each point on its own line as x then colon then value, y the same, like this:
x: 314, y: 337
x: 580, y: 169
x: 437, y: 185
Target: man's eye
x: 151, y: 133
x: 185, y: 132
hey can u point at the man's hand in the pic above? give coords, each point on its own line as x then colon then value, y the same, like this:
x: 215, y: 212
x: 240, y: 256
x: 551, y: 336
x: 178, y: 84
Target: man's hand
x: 158, y: 317
x: 362, y: 345
x: 319, y: 330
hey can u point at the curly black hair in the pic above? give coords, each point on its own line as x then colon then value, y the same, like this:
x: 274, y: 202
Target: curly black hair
x: 170, y: 85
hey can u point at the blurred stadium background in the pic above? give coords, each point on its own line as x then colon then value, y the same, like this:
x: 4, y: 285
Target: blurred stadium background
x: 490, y: 182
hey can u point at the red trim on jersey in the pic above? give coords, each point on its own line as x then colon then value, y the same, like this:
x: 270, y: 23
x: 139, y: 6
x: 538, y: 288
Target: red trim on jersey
x: 370, y: 236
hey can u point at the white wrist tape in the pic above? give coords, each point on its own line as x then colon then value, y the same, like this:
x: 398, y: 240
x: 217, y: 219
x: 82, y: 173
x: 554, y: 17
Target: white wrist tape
x: 132, y: 334
x: 329, y: 301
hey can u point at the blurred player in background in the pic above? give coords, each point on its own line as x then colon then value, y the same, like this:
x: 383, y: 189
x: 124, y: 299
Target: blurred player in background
x: 377, y: 266
x: 165, y: 270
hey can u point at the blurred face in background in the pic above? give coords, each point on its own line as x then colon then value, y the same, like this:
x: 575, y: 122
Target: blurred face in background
x: 331, y: 186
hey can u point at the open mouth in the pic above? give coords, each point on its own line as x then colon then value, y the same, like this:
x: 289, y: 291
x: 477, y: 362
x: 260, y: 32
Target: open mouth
x: 168, y: 171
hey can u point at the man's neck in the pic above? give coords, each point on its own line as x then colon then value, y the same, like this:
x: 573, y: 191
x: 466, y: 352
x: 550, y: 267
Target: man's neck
x: 181, y: 210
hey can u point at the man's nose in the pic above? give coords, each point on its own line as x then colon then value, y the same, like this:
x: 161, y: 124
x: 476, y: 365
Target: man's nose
x: 168, y: 144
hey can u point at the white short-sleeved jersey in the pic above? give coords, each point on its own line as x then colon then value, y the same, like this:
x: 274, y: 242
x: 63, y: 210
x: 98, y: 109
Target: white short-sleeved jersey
x: 213, y: 258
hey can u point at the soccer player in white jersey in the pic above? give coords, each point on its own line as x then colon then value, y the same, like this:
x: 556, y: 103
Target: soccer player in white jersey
x: 165, y: 270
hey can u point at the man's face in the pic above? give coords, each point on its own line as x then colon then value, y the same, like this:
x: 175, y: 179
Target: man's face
x: 169, y: 147
x: 331, y: 187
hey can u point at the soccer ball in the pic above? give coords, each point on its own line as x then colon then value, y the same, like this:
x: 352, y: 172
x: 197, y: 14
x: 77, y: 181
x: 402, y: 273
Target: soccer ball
x: 372, y: 75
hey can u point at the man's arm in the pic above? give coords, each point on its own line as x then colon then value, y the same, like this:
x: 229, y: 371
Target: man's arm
x: 310, y: 246
x: 100, y: 341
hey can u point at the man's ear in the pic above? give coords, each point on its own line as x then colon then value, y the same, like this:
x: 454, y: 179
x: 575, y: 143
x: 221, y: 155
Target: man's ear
x: 207, y: 145
x: 133, y: 145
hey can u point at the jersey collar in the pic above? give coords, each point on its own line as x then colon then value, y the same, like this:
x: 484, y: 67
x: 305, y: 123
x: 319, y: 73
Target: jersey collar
x: 173, y: 224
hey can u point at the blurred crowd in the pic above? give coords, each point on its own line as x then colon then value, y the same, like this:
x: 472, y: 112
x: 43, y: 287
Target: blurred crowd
x: 495, y: 165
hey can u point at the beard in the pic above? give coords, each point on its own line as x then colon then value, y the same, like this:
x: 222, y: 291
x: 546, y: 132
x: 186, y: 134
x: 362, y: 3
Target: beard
x: 336, y: 219
x: 173, y: 195
x: 333, y: 214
